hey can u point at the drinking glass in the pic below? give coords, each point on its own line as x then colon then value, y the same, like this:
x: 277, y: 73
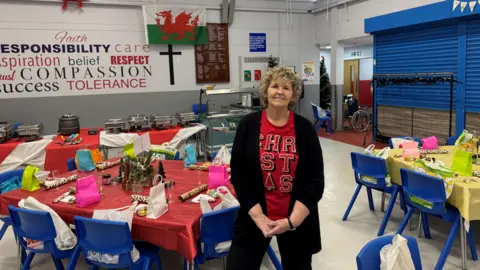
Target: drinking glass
x: 55, y: 175
x: 169, y: 189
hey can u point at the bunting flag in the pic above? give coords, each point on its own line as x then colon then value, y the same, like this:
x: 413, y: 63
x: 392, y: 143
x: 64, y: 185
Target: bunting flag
x: 456, y: 3
x: 472, y: 5
x: 463, y: 5
x: 171, y: 25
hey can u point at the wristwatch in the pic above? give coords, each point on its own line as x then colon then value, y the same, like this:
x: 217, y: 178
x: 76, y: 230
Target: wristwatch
x: 292, y: 228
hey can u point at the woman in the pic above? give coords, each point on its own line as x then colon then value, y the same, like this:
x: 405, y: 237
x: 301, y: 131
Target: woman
x: 277, y: 172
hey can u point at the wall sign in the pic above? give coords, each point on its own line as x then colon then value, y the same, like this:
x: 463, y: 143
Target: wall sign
x: 212, y: 60
x: 258, y: 42
x: 308, y: 69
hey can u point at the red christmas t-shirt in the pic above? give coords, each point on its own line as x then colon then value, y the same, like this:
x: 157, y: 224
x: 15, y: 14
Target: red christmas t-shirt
x: 278, y: 159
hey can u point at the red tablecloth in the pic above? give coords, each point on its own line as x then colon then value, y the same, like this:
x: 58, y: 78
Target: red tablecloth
x: 162, y: 136
x: 57, y: 155
x: 178, y: 229
x: 7, y: 147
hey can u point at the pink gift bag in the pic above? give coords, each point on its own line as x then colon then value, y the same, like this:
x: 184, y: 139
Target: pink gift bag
x: 429, y: 143
x: 411, y: 153
x: 217, y: 176
x: 407, y: 145
x: 86, y: 192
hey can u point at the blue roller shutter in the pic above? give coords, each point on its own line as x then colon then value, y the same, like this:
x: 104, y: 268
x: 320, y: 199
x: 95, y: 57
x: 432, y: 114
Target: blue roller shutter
x: 472, y: 81
x: 413, y: 51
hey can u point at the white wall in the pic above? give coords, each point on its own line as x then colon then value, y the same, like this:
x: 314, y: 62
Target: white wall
x: 358, y: 52
x: 37, y: 23
x: 349, y: 23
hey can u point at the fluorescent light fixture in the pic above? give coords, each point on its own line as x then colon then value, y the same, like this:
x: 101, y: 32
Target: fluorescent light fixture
x: 328, y: 47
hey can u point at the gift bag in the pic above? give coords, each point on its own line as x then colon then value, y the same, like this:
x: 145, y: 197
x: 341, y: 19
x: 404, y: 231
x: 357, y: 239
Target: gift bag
x: 409, y: 145
x: 190, y: 156
x: 429, y: 143
x: 396, y: 256
x: 97, y: 156
x: 370, y: 150
x: 411, y: 153
x: 123, y: 214
x: 228, y: 200
x: 29, y: 181
x: 157, y: 203
x: 217, y: 176
x: 65, y: 238
x: 223, y: 155
x: 86, y: 191
x: 462, y: 163
x: 84, y: 160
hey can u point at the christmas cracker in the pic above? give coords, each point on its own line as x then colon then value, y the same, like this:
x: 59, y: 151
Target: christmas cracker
x: 193, y: 192
x: 107, y: 164
x: 433, y: 151
x: 64, y: 195
x: 59, y: 181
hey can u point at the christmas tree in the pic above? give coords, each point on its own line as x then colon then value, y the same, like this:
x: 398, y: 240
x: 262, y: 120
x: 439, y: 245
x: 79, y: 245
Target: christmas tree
x: 161, y: 170
x: 325, y: 93
x: 272, y: 62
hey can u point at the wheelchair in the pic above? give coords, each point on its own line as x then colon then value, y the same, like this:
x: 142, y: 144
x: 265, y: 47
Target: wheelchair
x: 358, y: 117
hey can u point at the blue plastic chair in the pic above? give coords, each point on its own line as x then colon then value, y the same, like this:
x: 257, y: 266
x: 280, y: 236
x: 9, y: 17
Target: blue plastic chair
x: 364, y: 165
x: 323, y: 120
x: 418, y: 140
x: 7, y: 221
x: 432, y: 190
x: 196, y: 108
x: 452, y: 140
x: 369, y: 256
x: 71, y: 165
x: 217, y: 227
x: 111, y: 237
x: 37, y: 225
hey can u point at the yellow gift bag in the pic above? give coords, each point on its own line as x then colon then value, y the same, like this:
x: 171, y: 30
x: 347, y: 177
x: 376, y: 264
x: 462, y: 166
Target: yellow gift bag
x: 29, y: 181
x: 462, y: 163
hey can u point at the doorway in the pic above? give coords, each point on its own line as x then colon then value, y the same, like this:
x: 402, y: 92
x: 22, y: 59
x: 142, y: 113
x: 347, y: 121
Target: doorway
x: 351, y: 77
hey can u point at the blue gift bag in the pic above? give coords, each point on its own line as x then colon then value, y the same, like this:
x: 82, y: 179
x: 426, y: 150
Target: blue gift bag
x: 190, y: 156
x: 85, y: 161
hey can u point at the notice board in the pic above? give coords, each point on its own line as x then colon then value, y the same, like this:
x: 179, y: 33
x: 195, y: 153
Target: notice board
x: 212, y: 62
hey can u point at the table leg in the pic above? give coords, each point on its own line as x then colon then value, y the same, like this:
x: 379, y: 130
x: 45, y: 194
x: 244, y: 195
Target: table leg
x: 463, y: 243
x: 190, y: 266
x: 411, y: 222
x: 419, y: 225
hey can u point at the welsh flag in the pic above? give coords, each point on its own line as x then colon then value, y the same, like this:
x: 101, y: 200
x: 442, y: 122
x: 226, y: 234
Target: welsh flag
x: 171, y: 25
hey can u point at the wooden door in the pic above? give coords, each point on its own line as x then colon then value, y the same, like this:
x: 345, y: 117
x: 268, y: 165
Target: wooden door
x: 351, y: 77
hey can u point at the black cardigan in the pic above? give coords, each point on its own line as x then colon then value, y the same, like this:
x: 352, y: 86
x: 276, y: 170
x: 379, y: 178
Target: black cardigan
x: 247, y: 177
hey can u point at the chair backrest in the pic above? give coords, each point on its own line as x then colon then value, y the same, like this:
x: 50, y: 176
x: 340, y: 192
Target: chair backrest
x: 217, y: 227
x: 418, y: 140
x: 103, y: 236
x: 452, y: 140
x: 315, y: 111
x: 423, y: 186
x: 71, y: 165
x: 369, y: 256
x: 10, y: 174
x: 196, y: 108
x: 34, y: 225
x: 366, y: 165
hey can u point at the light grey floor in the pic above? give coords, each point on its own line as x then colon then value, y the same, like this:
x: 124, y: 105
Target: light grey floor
x: 341, y: 240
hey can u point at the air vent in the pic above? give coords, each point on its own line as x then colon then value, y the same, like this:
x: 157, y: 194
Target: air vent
x: 258, y: 59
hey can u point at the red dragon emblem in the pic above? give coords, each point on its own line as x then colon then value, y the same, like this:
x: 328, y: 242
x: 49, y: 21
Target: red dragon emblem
x: 182, y: 25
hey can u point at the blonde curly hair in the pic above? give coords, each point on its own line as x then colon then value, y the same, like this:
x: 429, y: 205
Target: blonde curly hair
x: 280, y: 73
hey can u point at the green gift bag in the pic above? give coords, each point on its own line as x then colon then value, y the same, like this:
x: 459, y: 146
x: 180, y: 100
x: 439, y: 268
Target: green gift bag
x: 29, y: 181
x: 462, y: 163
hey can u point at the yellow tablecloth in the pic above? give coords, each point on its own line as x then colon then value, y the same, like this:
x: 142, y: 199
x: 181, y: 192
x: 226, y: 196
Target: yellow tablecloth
x: 465, y: 197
